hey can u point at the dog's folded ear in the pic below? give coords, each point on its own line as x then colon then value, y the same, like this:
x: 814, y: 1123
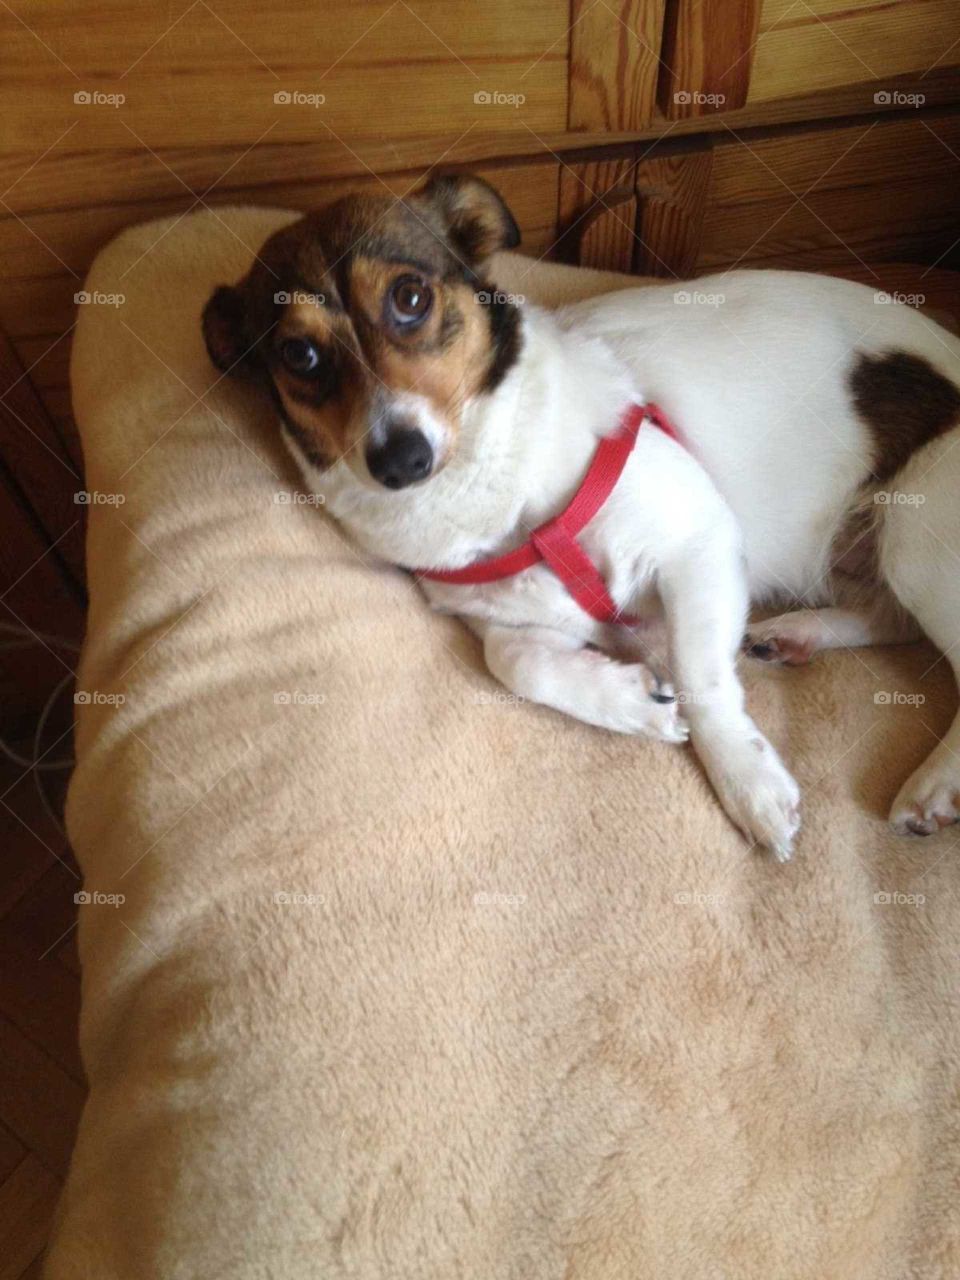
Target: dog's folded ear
x: 477, y: 219
x: 224, y: 330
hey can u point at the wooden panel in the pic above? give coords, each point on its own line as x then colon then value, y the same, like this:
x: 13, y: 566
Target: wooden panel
x: 59, y: 240
x: 645, y: 217
x: 919, y: 223
x: 672, y: 194
x: 707, y: 54
x: 598, y: 207
x: 49, y: 176
x: 614, y: 63
x: 213, y: 76
x: 807, y: 47
x: 827, y: 159
x: 821, y: 197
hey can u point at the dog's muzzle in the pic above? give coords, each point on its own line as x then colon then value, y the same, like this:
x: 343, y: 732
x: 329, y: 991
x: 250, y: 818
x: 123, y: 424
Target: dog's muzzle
x: 404, y: 458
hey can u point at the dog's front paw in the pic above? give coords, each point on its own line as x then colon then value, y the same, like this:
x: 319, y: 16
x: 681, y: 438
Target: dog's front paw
x: 630, y: 699
x: 929, y: 800
x: 757, y: 792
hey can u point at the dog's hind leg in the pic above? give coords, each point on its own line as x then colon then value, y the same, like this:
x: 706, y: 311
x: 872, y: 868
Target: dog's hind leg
x: 920, y: 559
x: 793, y: 638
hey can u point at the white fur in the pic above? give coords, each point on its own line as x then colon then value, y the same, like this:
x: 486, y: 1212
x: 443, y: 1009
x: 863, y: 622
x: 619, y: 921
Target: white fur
x: 746, y: 511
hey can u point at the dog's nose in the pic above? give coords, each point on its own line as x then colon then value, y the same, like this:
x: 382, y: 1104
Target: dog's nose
x: 405, y: 458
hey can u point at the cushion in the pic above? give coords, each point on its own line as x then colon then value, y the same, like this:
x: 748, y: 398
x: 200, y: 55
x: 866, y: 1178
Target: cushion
x: 386, y: 974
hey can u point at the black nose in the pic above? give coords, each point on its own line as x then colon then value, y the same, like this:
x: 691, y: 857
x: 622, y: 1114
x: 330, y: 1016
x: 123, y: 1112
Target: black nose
x: 404, y: 459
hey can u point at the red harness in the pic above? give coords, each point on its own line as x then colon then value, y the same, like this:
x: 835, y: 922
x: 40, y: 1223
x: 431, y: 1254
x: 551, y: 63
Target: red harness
x: 555, y: 542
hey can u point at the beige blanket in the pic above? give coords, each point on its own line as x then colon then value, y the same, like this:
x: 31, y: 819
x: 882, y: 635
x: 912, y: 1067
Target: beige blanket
x: 411, y: 981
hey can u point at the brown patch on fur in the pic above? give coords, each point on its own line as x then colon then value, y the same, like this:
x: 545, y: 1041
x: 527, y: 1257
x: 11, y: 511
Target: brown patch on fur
x: 905, y: 403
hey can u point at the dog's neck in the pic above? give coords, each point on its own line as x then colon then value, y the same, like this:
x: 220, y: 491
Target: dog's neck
x: 521, y: 453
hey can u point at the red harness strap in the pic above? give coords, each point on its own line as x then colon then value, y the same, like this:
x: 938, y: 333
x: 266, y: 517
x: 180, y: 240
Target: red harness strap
x: 555, y: 542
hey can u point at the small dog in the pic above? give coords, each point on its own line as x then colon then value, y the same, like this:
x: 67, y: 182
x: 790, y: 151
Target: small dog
x: 442, y: 423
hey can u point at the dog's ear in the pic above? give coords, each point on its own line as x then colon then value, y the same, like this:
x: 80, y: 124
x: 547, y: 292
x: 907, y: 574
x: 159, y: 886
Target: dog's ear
x: 476, y: 216
x: 224, y: 330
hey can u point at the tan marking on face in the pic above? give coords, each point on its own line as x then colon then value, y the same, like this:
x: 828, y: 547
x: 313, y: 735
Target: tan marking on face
x: 323, y: 417
x: 444, y: 359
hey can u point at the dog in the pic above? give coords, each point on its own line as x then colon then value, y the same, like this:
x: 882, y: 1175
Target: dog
x: 443, y: 422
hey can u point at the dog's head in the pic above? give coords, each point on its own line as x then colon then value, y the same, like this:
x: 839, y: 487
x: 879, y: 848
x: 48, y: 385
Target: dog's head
x: 371, y: 328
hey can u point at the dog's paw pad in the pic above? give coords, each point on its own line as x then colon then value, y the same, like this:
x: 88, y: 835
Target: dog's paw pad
x: 930, y: 799
x: 632, y: 700
x: 789, y: 651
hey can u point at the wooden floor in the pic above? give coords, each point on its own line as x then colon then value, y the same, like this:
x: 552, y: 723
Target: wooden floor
x: 41, y: 1081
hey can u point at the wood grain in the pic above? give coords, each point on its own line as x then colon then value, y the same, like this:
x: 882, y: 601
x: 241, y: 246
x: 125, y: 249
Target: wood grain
x: 836, y: 228
x: 614, y: 63
x: 707, y: 55
x: 212, y: 73
x: 851, y: 155
x: 672, y: 193
x: 598, y: 209
x: 803, y: 48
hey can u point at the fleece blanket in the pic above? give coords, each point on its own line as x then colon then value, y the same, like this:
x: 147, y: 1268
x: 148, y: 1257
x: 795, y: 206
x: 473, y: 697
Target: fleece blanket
x: 387, y: 975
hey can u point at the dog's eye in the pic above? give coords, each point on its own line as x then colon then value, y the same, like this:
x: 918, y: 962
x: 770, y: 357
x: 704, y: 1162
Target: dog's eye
x: 410, y: 300
x: 300, y: 356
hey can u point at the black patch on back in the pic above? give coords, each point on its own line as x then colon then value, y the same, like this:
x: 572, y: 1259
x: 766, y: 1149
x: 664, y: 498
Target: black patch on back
x: 905, y: 402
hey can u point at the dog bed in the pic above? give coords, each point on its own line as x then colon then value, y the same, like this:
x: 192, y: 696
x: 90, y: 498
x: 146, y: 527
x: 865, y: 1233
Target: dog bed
x: 388, y: 975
